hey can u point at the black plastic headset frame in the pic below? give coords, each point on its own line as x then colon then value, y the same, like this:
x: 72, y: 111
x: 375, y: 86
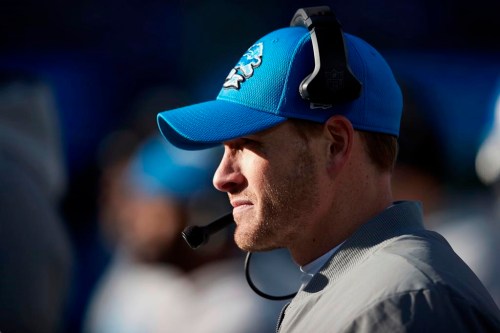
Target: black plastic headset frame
x: 332, y: 81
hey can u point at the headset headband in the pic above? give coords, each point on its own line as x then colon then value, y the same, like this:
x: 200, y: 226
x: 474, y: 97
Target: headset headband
x: 332, y: 81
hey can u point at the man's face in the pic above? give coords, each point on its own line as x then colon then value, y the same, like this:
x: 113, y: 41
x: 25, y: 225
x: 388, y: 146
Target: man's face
x: 272, y: 182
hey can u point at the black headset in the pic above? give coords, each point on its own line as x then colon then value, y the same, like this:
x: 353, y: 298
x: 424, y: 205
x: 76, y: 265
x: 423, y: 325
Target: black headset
x: 332, y: 81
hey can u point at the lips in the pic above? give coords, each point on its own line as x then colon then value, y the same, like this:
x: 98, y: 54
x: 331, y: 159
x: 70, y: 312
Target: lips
x: 240, y: 202
x: 240, y: 205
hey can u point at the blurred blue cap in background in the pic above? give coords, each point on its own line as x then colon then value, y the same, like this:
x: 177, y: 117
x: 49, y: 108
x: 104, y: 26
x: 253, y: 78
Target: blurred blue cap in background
x: 158, y: 168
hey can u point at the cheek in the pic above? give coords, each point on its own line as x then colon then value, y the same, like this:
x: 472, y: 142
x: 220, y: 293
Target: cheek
x: 256, y: 172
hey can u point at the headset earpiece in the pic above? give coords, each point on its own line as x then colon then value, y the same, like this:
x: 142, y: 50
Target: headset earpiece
x: 332, y: 81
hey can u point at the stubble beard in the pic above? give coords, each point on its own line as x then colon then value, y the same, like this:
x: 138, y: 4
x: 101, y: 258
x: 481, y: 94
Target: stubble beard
x: 284, y: 207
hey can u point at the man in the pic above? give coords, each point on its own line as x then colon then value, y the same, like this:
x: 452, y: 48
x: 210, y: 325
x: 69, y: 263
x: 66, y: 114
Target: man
x: 315, y: 177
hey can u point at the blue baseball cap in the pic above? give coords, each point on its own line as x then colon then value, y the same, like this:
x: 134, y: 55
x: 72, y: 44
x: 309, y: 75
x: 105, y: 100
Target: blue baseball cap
x: 262, y: 91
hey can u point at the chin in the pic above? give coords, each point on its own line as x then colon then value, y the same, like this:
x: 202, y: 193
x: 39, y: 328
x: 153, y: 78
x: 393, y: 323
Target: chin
x: 251, y: 244
x: 251, y: 236
x: 244, y: 241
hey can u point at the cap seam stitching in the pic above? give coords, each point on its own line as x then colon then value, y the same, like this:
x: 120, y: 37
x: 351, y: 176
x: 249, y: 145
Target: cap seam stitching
x: 300, y: 44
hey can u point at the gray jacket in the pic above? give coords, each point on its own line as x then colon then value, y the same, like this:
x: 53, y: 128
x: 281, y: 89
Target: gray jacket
x: 392, y: 275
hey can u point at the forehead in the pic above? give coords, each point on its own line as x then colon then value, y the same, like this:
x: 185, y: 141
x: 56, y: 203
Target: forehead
x: 291, y: 131
x: 274, y: 131
x: 277, y: 137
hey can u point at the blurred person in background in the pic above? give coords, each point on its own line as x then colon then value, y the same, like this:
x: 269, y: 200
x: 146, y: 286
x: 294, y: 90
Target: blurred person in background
x: 90, y: 205
x: 155, y: 282
x: 464, y: 215
x: 488, y: 170
x: 35, y: 253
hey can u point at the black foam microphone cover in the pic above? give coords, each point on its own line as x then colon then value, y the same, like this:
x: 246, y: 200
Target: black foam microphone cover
x: 196, y: 236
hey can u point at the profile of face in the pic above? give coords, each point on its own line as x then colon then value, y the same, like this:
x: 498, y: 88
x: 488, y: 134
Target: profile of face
x: 273, y: 180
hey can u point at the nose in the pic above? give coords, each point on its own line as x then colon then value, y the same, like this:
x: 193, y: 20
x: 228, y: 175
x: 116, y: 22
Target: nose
x: 228, y: 176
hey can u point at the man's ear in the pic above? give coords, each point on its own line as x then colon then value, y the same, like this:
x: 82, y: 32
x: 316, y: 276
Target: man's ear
x: 340, y: 135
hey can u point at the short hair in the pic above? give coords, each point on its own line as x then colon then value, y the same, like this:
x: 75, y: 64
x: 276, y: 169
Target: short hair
x: 382, y: 149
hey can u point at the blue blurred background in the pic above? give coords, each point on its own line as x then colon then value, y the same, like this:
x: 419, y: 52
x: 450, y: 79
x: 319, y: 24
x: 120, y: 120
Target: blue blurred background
x: 104, y: 60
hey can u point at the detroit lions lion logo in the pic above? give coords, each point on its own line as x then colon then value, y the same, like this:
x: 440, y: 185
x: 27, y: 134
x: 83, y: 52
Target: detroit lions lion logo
x: 245, y: 67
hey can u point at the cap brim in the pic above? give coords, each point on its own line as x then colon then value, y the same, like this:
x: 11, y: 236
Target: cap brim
x: 208, y: 124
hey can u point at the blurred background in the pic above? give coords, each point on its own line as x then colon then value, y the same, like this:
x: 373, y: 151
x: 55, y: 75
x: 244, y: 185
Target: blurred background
x: 81, y: 83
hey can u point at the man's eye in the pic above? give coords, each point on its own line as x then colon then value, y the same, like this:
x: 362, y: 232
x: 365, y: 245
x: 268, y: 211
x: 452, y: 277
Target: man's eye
x: 251, y: 143
x: 246, y: 143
